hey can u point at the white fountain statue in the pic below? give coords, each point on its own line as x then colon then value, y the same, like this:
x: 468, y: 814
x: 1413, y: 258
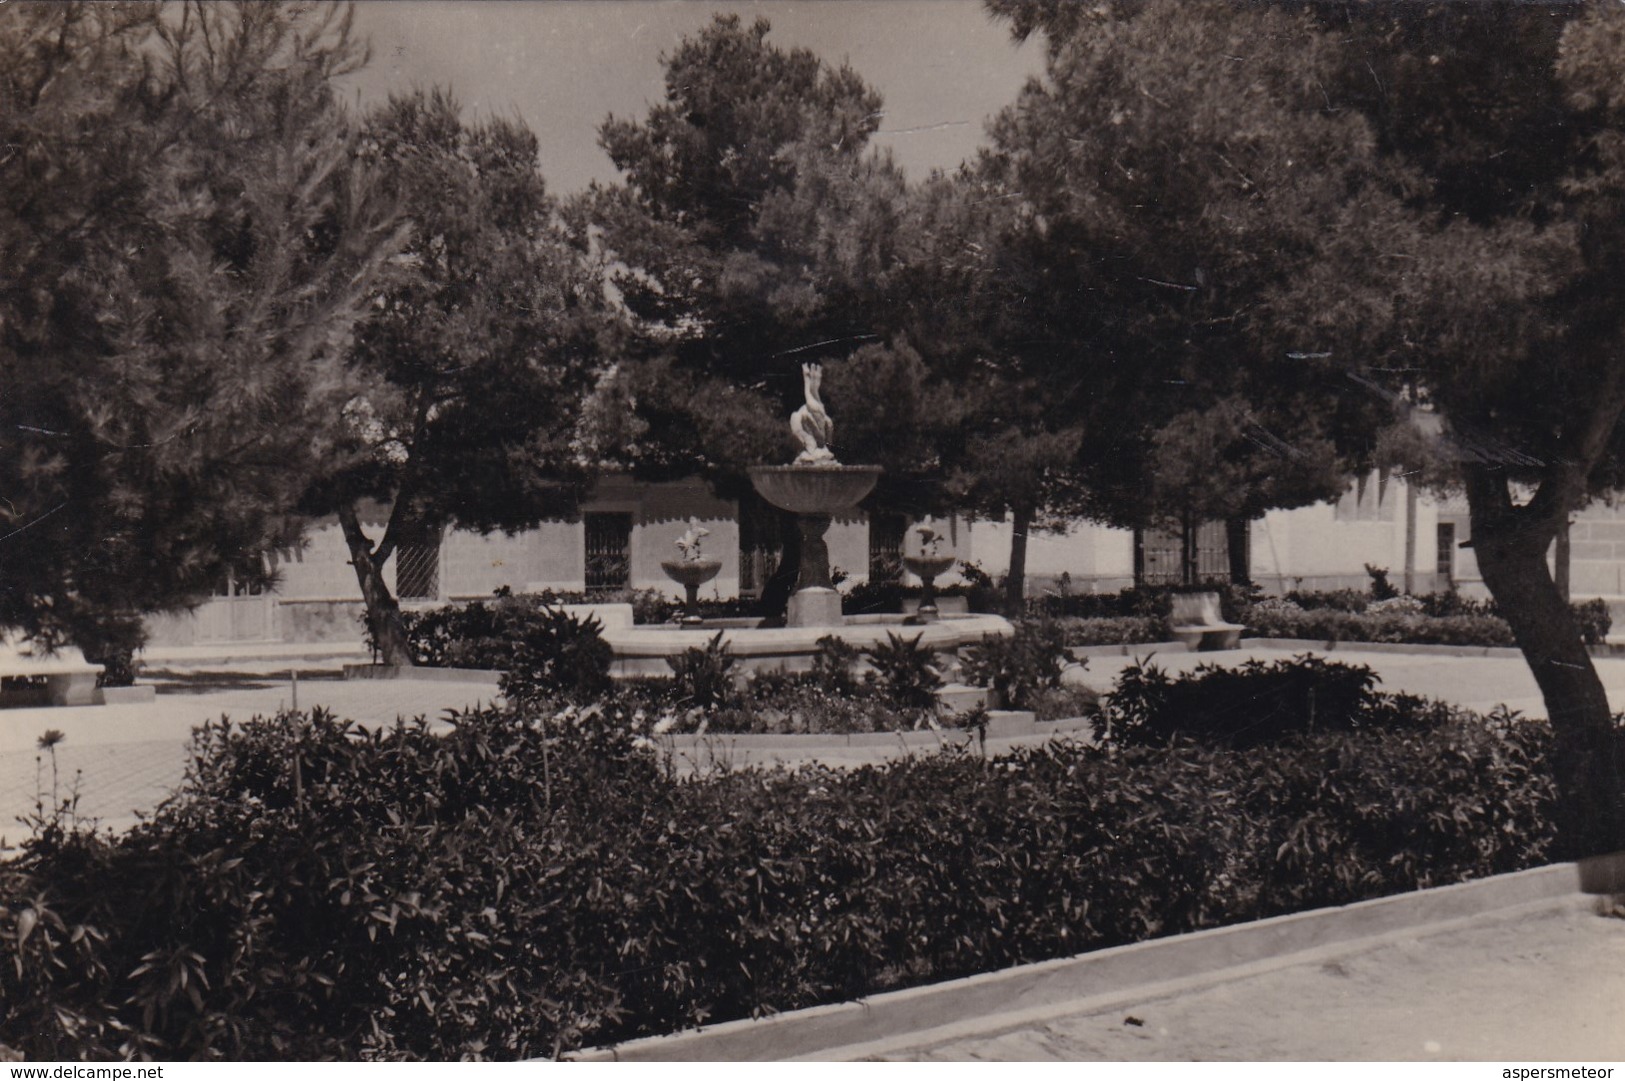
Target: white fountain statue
x: 811, y: 424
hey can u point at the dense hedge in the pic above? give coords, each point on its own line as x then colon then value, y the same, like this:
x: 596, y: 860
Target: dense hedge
x: 1112, y: 630
x: 1256, y: 703
x: 1340, y: 615
x: 1334, y: 625
x: 522, y: 888
x: 1404, y: 619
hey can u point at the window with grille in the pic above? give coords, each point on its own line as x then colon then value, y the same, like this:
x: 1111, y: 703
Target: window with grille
x: 1444, y: 563
x: 609, y: 551
x: 417, y: 564
x: 886, y: 546
x: 1160, y: 555
x: 759, y: 544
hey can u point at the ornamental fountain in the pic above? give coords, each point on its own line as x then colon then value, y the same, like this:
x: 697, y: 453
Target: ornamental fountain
x: 815, y: 488
x: 927, y: 564
x: 691, y: 571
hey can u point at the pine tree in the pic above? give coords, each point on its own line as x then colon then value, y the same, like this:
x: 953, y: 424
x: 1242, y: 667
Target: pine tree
x: 185, y: 244
x: 473, y: 365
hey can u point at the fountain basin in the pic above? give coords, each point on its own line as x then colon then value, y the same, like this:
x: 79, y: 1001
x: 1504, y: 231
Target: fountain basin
x: 814, y: 489
x: 691, y: 572
x: 642, y: 650
x: 928, y: 567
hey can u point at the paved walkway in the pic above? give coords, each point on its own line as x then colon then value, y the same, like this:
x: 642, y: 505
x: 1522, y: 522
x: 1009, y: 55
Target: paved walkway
x: 125, y: 759
x: 1542, y: 987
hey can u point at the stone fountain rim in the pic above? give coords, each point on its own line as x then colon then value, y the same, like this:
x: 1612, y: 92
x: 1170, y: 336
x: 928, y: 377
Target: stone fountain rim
x: 816, y: 467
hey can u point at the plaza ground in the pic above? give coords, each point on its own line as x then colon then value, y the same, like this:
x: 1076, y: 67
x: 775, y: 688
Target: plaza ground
x: 1544, y: 985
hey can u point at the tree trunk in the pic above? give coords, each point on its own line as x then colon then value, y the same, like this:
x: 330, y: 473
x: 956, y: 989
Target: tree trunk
x: 383, y: 612
x: 1410, y: 538
x: 1237, y: 551
x: 1560, y: 559
x: 1588, y: 758
x: 1015, y: 583
x: 1187, y: 550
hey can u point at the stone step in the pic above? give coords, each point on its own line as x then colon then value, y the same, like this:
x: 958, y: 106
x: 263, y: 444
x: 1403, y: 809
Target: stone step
x: 959, y: 697
x: 1011, y: 722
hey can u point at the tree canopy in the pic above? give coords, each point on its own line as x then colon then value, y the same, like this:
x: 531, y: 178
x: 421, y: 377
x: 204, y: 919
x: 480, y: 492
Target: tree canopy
x: 185, y: 244
x: 754, y: 232
x: 473, y: 364
x: 1415, y: 198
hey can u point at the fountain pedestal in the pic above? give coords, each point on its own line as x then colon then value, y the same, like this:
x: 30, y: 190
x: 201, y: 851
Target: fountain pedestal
x: 814, y: 493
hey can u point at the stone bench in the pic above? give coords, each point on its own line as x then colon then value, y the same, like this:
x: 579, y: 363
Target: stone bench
x: 70, y: 680
x: 1196, y: 621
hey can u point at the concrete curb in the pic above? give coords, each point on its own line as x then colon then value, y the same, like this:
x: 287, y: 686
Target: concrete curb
x: 428, y: 675
x: 1419, y: 649
x: 1002, y: 999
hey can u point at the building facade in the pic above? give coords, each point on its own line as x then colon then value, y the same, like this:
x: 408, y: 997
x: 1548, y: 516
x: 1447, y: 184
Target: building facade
x: 628, y: 528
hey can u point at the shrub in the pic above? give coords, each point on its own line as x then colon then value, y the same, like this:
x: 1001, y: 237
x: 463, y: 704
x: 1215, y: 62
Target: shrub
x: 540, y: 649
x: 1341, y: 600
x: 1381, y: 588
x: 833, y: 664
x: 905, y: 672
x: 1250, y: 704
x: 1139, y: 601
x: 704, y: 677
x: 1452, y: 603
x: 1147, y: 602
x: 557, y: 653
x: 1020, y: 667
x: 1060, y: 703
x: 1112, y: 630
x: 1334, y: 625
x: 1434, y: 618
x: 1595, y: 621
x: 524, y: 886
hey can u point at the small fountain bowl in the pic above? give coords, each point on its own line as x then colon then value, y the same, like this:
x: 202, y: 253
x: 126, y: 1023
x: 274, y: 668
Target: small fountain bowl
x: 929, y: 566
x: 691, y: 572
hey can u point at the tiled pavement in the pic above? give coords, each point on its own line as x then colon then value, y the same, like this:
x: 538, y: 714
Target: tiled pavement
x: 125, y: 759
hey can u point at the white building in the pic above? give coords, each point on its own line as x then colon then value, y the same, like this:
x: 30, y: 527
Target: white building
x: 628, y: 528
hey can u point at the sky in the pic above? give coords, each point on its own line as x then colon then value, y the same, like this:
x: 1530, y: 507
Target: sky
x: 942, y: 66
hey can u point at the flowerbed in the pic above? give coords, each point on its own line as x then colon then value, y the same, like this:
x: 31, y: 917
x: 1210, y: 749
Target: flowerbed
x: 530, y: 884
